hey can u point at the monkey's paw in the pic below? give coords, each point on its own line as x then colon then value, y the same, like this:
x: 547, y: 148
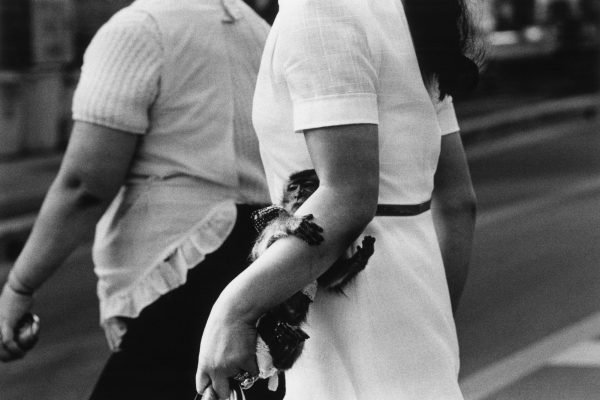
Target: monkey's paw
x: 305, y: 229
x: 368, y: 248
x: 345, y: 270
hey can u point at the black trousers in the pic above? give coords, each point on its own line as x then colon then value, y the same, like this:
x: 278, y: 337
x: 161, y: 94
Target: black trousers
x: 159, y: 352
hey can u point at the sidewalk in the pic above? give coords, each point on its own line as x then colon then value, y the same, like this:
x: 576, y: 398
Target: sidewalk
x: 24, y: 182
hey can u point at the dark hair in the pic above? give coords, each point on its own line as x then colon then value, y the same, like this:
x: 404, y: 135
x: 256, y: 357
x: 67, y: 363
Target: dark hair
x: 447, y: 48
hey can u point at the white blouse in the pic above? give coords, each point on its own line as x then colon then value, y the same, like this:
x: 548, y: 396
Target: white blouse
x: 181, y: 74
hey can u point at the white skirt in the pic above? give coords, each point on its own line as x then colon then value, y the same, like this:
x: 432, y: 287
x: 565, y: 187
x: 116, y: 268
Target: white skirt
x: 391, y: 336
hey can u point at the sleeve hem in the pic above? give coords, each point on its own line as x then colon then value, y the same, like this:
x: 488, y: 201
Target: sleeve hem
x: 111, y: 125
x: 335, y: 110
x: 447, y: 118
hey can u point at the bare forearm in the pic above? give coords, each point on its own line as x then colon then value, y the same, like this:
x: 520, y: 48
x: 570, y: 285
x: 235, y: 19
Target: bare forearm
x: 346, y: 160
x: 455, y: 228
x: 290, y: 264
x: 93, y: 169
x: 454, y: 209
x: 66, y: 220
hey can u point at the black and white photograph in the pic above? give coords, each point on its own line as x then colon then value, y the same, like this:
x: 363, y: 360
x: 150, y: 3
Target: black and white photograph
x: 300, y: 199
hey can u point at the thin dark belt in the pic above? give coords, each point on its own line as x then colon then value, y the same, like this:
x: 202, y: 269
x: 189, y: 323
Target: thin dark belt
x: 402, y: 210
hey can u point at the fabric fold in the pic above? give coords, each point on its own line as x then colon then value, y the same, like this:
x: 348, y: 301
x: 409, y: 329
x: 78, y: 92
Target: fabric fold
x: 169, y: 273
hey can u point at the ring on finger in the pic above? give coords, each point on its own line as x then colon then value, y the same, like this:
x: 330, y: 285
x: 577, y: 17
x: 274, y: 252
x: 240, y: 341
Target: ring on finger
x: 245, y: 379
x: 242, y: 376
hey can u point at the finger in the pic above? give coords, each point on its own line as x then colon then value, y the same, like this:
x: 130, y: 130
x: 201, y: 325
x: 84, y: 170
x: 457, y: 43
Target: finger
x: 209, y: 394
x: 5, y: 355
x: 251, y: 366
x: 309, y: 234
x: 315, y: 230
x: 10, y: 353
x: 306, y: 238
x: 13, y: 348
x: 9, y: 345
x: 221, y: 387
x: 202, y: 382
x: 318, y: 237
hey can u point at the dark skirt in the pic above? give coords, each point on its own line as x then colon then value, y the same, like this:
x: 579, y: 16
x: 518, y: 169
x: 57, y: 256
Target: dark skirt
x: 159, y: 353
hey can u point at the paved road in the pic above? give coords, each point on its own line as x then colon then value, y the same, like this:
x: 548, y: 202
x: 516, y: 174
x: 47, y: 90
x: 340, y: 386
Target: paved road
x: 71, y: 350
x: 535, y: 263
x: 535, y: 266
x: 27, y: 181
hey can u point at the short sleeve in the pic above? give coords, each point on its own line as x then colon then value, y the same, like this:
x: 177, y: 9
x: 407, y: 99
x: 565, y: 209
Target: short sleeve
x: 447, y: 116
x: 327, y: 65
x: 120, y: 74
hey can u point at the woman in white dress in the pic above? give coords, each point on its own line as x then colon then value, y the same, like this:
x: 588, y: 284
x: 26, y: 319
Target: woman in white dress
x: 349, y: 88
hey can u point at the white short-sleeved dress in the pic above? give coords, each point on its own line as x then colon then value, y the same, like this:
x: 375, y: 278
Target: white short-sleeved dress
x: 337, y: 62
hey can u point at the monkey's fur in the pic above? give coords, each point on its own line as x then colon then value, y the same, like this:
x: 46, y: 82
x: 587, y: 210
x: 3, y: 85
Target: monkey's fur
x: 280, y: 327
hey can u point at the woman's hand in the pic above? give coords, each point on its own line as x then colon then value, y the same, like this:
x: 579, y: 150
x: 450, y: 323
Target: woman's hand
x: 13, y: 307
x: 228, y: 348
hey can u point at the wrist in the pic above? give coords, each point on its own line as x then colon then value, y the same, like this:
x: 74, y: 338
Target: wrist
x: 17, y: 286
x: 235, y: 308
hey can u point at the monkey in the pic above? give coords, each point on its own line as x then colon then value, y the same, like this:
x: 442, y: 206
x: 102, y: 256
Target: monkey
x: 276, y: 222
x: 280, y: 327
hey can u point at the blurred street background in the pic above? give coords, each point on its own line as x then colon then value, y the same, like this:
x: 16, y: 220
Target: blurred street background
x: 529, y: 322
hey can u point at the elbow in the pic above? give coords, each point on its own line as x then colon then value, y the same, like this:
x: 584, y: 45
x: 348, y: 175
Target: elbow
x: 80, y: 193
x: 370, y: 204
x: 458, y: 204
x: 465, y: 205
x: 363, y: 204
x: 363, y: 217
x: 469, y: 205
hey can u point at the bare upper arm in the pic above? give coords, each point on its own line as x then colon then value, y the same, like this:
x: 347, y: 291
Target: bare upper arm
x: 346, y: 158
x: 97, y: 159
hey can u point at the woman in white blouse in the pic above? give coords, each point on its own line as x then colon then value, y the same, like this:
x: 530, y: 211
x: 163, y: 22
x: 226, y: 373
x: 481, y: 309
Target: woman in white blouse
x: 360, y: 91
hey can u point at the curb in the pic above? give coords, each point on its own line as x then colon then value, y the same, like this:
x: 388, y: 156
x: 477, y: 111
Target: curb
x: 507, y: 122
